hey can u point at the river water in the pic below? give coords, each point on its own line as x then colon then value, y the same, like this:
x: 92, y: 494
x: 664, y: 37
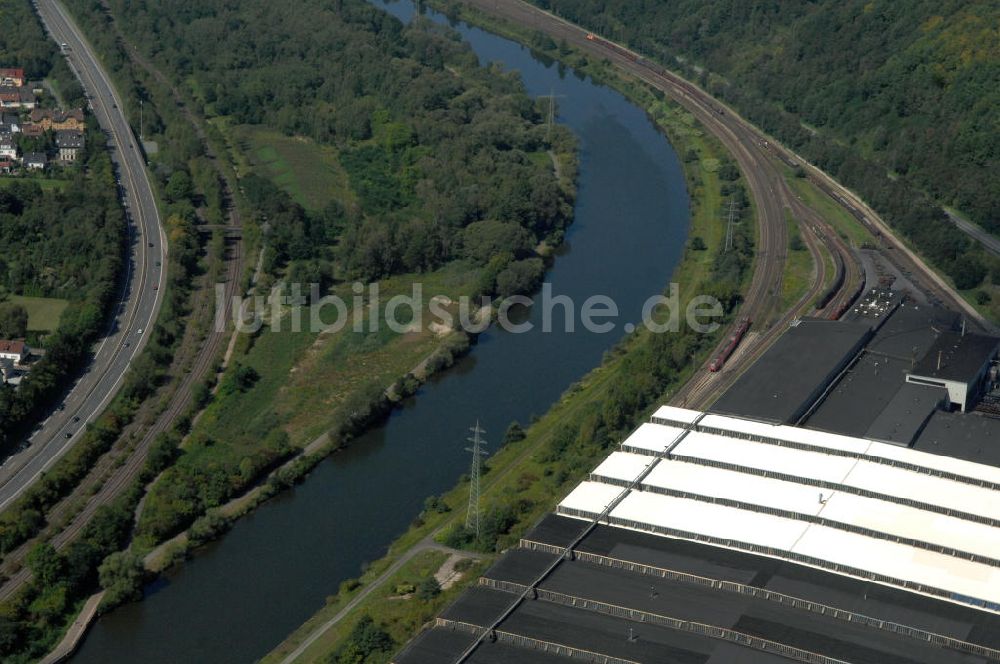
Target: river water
x: 239, y: 597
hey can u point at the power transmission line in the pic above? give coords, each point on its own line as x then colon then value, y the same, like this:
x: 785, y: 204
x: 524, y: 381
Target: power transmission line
x: 473, y: 520
x: 729, y: 225
x: 550, y: 120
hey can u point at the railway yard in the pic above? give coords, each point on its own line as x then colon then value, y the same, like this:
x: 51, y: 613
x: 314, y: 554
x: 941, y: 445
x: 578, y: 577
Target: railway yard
x: 761, y: 161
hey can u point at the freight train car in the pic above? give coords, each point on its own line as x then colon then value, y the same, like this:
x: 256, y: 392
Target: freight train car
x: 730, y: 346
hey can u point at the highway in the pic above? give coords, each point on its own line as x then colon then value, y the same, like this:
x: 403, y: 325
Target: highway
x: 143, y: 282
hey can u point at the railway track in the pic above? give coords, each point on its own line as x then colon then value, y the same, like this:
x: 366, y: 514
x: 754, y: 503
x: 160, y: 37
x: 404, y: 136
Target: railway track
x: 753, y: 152
x: 114, y: 475
x: 765, y: 183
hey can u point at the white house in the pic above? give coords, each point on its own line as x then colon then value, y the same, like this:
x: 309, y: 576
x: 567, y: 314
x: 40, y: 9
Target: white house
x: 17, y: 351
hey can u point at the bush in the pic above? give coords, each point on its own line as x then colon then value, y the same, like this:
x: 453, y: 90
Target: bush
x: 428, y: 589
x: 122, y: 575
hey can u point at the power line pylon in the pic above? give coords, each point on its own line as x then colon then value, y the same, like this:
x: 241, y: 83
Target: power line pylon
x: 472, y: 517
x: 729, y: 226
x: 550, y: 120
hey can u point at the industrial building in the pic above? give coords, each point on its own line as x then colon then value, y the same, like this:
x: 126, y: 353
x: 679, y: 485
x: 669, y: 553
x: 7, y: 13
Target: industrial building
x: 839, y: 503
x: 710, y: 538
x: 884, y: 373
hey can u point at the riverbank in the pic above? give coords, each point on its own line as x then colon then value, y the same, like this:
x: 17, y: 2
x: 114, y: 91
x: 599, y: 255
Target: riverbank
x: 633, y: 218
x: 526, y: 468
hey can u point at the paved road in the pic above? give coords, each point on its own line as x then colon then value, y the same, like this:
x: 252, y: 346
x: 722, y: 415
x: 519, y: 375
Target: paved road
x: 144, y: 280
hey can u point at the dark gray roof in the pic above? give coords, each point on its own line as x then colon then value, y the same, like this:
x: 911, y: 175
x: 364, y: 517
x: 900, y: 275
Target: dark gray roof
x: 958, y: 357
x: 968, y: 436
x: 906, y: 413
x: 782, y: 384
x: 854, y: 403
x: 69, y: 139
x: 35, y: 158
x: 911, y: 330
x: 577, y: 625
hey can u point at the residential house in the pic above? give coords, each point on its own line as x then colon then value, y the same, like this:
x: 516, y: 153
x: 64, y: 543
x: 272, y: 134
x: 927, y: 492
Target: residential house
x: 11, y: 97
x: 17, y: 351
x: 12, y: 77
x: 55, y: 120
x: 10, y: 123
x: 8, y: 148
x: 7, y: 166
x: 70, y: 144
x: 35, y: 161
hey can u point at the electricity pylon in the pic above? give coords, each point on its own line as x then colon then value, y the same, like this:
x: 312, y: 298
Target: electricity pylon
x: 472, y: 517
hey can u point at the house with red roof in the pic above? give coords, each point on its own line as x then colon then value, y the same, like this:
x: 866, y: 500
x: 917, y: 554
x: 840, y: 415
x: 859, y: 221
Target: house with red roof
x: 13, y: 77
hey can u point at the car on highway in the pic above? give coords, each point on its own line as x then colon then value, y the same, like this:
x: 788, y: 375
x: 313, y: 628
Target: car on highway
x: 76, y: 418
x: 68, y: 434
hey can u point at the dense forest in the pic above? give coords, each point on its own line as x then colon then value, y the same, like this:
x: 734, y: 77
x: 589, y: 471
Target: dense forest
x: 433, y: 144
x: 896, y: 100
x: 57, y: 243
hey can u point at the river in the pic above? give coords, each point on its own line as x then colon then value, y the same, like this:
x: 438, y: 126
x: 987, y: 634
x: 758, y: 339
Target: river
x: 240, y: 596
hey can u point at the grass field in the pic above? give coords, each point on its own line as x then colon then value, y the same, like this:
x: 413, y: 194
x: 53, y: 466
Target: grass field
x: 309, y: 172
x: 43, y: 312
x: 398, y: 613
x: 799, y: 267
x: 845, y: 224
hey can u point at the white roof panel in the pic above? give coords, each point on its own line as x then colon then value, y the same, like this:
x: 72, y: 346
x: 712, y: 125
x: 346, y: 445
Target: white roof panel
x: 591, y: 497
x: 910, y: 522
x: 764, y: 456
x: 970, y: 469
x: 783, y: 432
x: 708, y: 519
x: 902, y: 562
x: 647, y: 510
x: 925, y: 488
x: 623, y: 465
x: 653, y: 437
x: 734, y: 485
x: 675, y: 414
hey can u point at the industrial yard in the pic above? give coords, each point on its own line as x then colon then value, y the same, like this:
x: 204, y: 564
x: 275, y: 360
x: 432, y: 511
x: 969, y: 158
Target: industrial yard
x: 840, y: 502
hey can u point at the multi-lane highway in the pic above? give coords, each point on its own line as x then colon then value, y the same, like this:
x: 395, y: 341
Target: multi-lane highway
x: 143, y: 281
